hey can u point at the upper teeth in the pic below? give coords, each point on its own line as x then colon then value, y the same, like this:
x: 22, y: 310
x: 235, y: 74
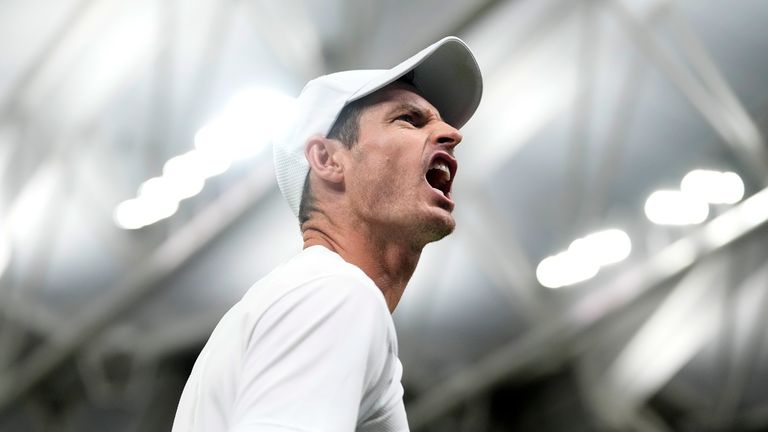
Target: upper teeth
x: 442, y: 166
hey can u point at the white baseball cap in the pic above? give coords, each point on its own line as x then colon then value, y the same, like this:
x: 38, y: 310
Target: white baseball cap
x: 445, y: 73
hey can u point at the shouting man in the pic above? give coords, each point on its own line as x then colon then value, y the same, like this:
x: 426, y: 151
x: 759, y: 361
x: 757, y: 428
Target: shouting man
x: 368, y: 168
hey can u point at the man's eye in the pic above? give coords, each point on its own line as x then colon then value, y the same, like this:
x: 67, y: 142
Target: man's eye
x: 407, y: 118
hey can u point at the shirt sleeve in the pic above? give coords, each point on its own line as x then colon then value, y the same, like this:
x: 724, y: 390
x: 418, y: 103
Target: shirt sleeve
x: 311, y: 358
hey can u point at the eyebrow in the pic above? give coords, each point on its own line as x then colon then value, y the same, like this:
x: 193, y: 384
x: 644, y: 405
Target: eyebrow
x: 423, y: 112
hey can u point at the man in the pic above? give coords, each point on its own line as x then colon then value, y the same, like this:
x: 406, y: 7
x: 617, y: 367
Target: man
x: 367, y: 168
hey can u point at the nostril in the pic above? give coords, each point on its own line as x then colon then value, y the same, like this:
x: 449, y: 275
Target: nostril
x: 447, y: 136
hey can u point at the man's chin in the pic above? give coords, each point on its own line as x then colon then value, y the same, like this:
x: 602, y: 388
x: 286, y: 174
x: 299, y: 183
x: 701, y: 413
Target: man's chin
x: 440, y: 234
x: 436, y: 227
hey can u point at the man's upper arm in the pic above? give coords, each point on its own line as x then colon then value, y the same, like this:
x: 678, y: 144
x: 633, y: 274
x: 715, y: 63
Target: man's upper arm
x: 312, y: 356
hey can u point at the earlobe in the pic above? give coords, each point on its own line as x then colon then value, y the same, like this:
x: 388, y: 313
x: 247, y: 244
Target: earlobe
x: 323, y: 157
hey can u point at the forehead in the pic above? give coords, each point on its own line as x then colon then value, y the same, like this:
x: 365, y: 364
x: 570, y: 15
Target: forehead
x: 401, y: 94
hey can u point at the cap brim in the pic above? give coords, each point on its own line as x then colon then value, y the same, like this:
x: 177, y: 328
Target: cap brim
x: 445, y: 73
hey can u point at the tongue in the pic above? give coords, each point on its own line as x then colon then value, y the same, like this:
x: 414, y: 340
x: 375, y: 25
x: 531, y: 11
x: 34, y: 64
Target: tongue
x: 436, y: 179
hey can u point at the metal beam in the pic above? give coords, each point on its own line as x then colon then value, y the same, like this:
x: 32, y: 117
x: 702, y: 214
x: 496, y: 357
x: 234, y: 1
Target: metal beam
x: 31, y: 282
x: 208, y: 62
x: 499, y: 252
x: 712, y: 77
x: 686, y: 320
x: 57, y: 37
x: 566, y: 333
x: 743, y: 358
x: 719, y: 107
x: 32, y: 317
x: 300, y: 49
x: 579, y: 137
x: 616, y: 139
x: 142, y: 281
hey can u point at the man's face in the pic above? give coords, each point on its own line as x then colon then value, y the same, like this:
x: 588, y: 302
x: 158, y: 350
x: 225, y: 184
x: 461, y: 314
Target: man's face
x: 403, y: 166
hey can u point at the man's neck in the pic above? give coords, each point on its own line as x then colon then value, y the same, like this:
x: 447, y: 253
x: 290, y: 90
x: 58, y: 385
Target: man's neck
x: 390, y: 263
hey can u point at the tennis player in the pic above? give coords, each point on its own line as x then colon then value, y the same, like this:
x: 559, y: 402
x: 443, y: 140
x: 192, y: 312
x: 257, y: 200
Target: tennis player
x: 368, y: 169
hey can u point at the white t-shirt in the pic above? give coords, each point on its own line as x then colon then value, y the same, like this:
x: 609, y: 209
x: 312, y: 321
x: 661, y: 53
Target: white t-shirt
x: 309, y: 348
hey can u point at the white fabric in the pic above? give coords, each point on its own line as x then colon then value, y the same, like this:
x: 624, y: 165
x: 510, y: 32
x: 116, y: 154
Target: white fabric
x: 310, y: 348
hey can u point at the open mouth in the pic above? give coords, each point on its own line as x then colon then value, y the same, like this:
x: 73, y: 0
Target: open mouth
x: 440, y: 174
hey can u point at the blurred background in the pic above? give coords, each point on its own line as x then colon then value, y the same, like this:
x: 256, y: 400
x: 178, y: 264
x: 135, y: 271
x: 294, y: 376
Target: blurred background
x: 608, y: 272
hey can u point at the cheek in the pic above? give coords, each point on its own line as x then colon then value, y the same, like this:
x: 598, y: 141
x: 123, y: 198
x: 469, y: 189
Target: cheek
x: 389, y: 170
x: 380, y: 184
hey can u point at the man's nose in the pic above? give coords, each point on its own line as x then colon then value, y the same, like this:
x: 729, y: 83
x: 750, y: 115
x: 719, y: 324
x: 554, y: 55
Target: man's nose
x: 447, y: 136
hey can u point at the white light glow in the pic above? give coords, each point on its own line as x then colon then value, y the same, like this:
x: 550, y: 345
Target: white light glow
x: 156, y: 201
x: 156, y: 188
x: 565, y: 268
x: 139, y: 212
x: 5, y: 249
x: 183, y: 177
x: 250, y: 120
x: 196, y: 165
x: 604, y: 247
x: 155, y: 208
x: 754, y: 210
x: 26, y: 215
x: 669, y: 207
x: 120, y: 41
x: 129, y: 214
x: 584, y: 258
x: 183, y: 166
x: 533, y: 88
x: 210, y: 162
x: 714, y: 187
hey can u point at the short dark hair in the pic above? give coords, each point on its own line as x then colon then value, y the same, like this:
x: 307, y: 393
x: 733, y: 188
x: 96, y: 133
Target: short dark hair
x: 346, y: 129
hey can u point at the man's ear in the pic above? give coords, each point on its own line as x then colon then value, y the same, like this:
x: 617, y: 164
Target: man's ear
x: 324, y: 156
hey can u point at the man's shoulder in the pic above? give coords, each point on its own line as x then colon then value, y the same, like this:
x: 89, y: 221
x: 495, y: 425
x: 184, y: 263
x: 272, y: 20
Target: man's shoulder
x: 317, y: 264
x: 316, y: 289
x: 316, y: 271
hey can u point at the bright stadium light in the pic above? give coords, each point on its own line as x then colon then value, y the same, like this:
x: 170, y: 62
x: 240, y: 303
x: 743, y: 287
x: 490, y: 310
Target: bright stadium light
x: 669, y: 207
x: 139, y: 212
x: 196, y: 165
x: 246, y: 125
x: 129, y: 214
x: 156, y: 209
x: 584, y: 258
x: 158, y: 189
x: 603, y: 247
x: 183, y: 176
x: 714, y: 187
x: 565, y: 268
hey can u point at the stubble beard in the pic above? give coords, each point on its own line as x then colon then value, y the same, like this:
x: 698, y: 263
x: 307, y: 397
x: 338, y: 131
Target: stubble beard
x: 415, y: 230
x: 418, y: 230
x: 397, y: 218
